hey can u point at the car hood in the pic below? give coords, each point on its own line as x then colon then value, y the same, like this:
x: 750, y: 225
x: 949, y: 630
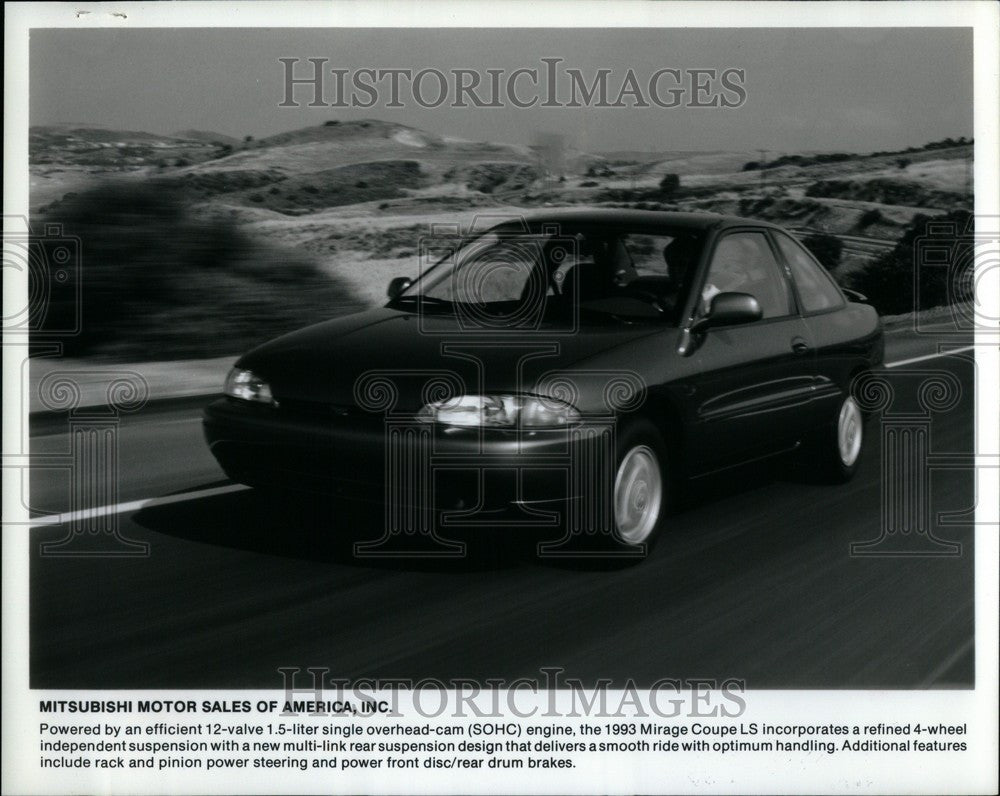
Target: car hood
x: 390, y: 359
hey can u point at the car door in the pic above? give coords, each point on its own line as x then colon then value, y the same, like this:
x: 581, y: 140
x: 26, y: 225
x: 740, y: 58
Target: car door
x: 836, y: 328
x: 754, y: 382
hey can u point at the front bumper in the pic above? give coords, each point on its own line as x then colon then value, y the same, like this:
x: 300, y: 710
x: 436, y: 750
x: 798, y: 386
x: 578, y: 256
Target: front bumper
x: 399, y: 460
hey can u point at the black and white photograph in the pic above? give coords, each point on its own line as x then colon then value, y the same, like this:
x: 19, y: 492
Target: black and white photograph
x: 562, y: 397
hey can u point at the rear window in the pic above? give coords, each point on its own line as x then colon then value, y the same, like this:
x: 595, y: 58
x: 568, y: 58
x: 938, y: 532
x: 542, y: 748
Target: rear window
x: 817, y: 290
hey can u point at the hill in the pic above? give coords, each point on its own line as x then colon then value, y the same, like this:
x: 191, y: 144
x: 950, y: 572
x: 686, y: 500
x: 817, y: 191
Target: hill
x: 208, y: 136
x: 112, y: 149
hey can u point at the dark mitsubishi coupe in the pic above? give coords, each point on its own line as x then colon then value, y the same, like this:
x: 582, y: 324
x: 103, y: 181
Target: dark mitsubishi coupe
x: 575, y: 365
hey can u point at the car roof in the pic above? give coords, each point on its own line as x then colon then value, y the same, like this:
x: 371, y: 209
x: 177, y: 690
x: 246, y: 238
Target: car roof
x: 634, y: 218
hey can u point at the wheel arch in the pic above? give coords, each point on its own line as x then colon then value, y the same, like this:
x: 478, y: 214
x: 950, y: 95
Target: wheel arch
x: 666, y: 417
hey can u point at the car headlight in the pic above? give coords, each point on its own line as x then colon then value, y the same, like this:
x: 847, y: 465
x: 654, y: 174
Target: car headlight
x: 500, y: 411
x: 248, y: 386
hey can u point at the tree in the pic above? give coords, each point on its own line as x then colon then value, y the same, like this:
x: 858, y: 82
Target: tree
x: 669, y: 184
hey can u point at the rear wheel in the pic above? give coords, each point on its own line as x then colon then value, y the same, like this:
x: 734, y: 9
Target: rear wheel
x: 839, y: 449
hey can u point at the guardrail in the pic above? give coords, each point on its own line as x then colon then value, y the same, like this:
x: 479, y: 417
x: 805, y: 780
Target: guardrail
x: 854, y: 244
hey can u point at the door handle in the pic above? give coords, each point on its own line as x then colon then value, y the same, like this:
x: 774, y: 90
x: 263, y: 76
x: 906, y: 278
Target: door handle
x: 799, y: 346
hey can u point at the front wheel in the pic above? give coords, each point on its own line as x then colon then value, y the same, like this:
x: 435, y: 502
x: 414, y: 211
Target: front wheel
x: 641, y: 493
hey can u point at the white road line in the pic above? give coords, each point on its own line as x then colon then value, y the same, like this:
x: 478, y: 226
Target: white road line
x: 136, y: 505
x: 159, y: 423
x: 907, y: 326
x: 928, y: 356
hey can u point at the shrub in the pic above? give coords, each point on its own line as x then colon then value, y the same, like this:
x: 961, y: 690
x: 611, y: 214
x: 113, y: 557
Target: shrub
x: 888, y: 282
x: 869, y: 217
x: 889, y: 191
x: 753, y: 206
x: 826, y: 248
x: 488, y: 177
x: 159, y: 283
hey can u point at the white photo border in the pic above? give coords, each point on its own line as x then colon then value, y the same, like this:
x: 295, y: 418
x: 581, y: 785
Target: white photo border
x: 978, y: 705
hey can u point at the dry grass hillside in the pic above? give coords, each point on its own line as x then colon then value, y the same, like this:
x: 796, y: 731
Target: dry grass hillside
x: 349, y: 202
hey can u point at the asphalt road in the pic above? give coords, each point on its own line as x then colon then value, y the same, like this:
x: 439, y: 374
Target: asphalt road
x: 753, y: 580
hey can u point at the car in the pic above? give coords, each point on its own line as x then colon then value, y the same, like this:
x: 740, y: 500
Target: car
x: 580, y: 364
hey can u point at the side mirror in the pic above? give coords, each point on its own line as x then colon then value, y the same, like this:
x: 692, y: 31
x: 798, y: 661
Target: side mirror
x: 729, y: 309
x: 397, y: 286
x: 853, y: 295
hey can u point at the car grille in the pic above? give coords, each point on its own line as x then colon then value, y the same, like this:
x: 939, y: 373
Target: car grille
x: 325, y: 411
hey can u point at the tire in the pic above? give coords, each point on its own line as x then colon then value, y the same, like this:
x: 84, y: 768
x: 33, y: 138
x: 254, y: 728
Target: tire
x: 839, y: 449
x: 642, y: 491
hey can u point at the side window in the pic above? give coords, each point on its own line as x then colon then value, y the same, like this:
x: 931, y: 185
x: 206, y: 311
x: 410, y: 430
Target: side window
x: 744, y: 263
x: 662, y: 266
x: 815, y: 287
x: 646, y: 253
x: 670, y: 257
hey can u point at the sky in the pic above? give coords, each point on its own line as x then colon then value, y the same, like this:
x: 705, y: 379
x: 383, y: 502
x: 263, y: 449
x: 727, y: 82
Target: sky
x: 854, y: 89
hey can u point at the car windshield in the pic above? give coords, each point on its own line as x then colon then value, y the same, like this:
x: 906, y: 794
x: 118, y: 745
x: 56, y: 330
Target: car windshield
x: 610, y: 274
